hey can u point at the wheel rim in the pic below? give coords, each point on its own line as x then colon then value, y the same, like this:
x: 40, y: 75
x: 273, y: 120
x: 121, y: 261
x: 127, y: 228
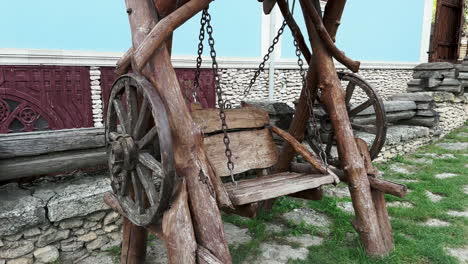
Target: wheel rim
x: 141, y: 159
x: 361, y: 101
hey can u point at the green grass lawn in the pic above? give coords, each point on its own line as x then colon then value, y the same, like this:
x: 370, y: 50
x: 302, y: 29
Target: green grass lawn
x: 414, y: 242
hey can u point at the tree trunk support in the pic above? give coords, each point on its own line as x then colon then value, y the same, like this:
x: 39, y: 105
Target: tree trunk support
x: 325, y: 77
x: 193, y: 224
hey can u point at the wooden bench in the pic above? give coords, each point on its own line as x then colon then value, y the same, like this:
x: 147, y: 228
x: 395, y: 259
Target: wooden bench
x: 253, y: 148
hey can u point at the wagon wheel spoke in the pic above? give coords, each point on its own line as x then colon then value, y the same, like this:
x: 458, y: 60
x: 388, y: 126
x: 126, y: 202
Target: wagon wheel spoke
x: 113, y: 136
x: 121, y: 115
x: 145, y: 177
x: 150, y: 162
x: 147, y: 138
x: 349, y: 93
x: 358, y: 109
x: 364, y: 128
x: 125, y: 183
x: 138, y: 193
x: 143, y: 119
x: 132, y: 106
x: 329, y: 144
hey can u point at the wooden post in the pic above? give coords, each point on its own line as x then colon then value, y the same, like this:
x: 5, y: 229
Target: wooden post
x: 191, y: 160
x: 332, y: 96
x: 133, y: 243
x: 377, y: 197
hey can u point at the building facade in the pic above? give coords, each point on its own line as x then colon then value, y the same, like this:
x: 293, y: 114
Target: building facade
x: 388, y: 37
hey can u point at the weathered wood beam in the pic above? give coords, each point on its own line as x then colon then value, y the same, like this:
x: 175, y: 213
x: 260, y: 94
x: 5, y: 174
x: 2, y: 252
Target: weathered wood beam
x: 296, y: 31
x: 187, y: 136
x: 245, y: 117
x: 275, y: 185
x: 163, y: 29
x: 21, y: 167
x: 44, y: 142
x: 134, y: 239
x: 204, y: 256
x: 385, y: 186
x: 332, y: 96
x: 177, y: 229
x: 327, y: 39
x: 378, y: 198
x: 123, y: 65
x: 299, y: 148
x: 331, y: 18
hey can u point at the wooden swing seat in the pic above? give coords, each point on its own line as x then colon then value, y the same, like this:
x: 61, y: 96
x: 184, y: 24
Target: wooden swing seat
x: 253, y: 148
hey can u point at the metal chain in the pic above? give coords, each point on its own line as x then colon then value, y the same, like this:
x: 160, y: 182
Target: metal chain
x: 201, y: 38
x: 310, y: 105
x: 222, y: 104
x: 261, y: 66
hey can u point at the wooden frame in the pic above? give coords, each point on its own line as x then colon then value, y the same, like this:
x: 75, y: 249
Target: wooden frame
x: 199, y: 194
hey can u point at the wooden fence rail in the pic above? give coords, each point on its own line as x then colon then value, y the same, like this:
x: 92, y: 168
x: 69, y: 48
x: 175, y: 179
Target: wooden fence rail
x: 46, y: 152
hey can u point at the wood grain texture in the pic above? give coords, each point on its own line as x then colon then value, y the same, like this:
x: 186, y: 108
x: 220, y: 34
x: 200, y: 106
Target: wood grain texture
x: 190, y: 157
x: 385, y: 186
x: 134, y: 239
x: 204, y: 256
x: 378, y: 198
x: 253, y: 149
x: 163, y: 29
x: 326, y: 39
x: 178, y: 233
x: 16, y: 168
x: 296, y: 31
x: 123, y: 65
x: 43, y: 142
x: 299, y: 148
x: 246, y: 117
x: 333, y: 97
x: 275, y: 185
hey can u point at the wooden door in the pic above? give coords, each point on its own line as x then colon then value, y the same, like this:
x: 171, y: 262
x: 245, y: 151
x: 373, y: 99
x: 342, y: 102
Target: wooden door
x: 447, y: 31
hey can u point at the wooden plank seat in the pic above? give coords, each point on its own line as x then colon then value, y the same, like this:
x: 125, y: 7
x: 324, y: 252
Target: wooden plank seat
x: 275, y: 185
x: 253, y: 148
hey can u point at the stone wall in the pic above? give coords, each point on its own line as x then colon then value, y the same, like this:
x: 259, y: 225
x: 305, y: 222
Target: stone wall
x: 59, y: 219
x: 452, y: 112
x: 288, y: 83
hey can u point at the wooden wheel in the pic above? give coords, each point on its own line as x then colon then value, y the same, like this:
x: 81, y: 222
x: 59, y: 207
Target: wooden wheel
x: 141, y: 158
x: 367, y: 115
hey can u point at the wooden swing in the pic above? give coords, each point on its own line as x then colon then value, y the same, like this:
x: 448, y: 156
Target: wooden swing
x: 253, y: 148
x: 151, y: 131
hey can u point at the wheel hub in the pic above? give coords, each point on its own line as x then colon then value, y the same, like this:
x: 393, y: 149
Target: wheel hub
x: 124, y: 152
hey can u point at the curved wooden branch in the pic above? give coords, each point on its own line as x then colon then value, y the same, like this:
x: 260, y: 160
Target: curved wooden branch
x: 299, y: 148
x: 163, y: 29
x: 385, y: 186
x: 123, y: 64
x: 328, y: 41
x: 296, y: 31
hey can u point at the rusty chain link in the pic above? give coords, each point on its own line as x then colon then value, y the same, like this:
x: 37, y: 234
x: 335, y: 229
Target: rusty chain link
x: 201, y: 38
x: 261, y: 66
x: 222, y: 104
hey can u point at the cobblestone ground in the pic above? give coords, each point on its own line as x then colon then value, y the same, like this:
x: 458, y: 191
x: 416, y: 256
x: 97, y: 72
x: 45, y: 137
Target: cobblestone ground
x: 430, y: 224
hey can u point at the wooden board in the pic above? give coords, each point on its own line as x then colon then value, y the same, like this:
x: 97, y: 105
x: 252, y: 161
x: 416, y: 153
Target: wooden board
x: 43, y: 142
x: 272, y: 186
x: 58, y: 162
x: 246, y: 117
x: 253, y: 149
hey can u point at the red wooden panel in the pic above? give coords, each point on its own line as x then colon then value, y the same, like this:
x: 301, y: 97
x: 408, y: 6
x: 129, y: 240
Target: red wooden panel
x: 44, y: 97
x: 206, y: 96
